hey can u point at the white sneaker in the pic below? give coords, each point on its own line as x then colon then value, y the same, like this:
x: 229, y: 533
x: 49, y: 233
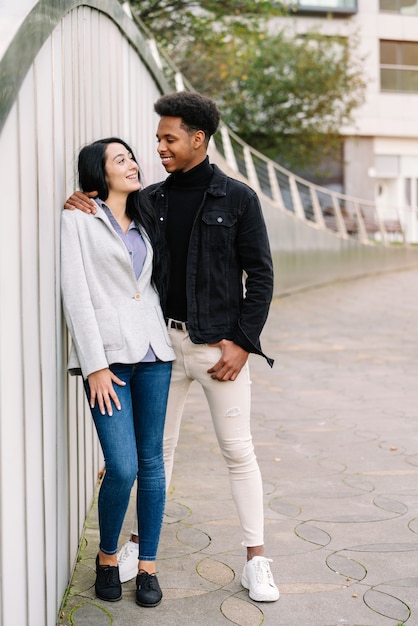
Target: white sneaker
x: 258, y: 579
x: 128, y: 561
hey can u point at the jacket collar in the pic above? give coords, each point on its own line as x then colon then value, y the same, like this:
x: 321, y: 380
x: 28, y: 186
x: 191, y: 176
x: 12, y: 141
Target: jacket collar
x: 217, y: 186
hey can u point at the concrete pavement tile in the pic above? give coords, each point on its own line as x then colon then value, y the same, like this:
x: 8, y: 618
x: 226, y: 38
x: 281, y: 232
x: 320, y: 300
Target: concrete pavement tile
x: 307, y: 573
x: 226, y: 537
x: 382, y: 562
x: 176, y: 512
x: 90, y: 614
x: 213, y: 508
x: 403, y: 588
x: 181, y: 574
x: 171, y: 547
x: 335, y: 511
x: 349, y: 534
x: 199, y: 610
x: 193, y: 538
x: 328, y: 608
x: 215, y: 571
x: 281, y: 539
x: 242, y: 612
x: 82, y: 582
x: 385, y: 603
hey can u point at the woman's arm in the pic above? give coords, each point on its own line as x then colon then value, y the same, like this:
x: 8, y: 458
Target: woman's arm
x: 77, y: 303
x: 81, y: 320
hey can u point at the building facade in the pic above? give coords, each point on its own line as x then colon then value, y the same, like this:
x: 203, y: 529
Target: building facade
x: 380, y: 157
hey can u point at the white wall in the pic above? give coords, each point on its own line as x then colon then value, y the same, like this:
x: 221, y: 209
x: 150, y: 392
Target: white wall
x: 86, y: 81
x: 384, y: 114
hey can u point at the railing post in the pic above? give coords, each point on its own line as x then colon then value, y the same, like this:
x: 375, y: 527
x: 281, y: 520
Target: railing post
x: 251, y: 172
x: 339, y: 217
x: 228, y: 150
x: 179, y: 82
x: 155, y: 53
x: 360, y: 223
x: 274, y: 186
x: 381, y: 226
x: 297, y: 202
x: 319, y: 216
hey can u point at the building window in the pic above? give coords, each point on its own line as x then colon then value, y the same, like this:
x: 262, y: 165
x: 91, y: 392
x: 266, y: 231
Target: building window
x: 343, y: 7
x: 399, y: 66
x: 409, y: 7
x: 395, y: 165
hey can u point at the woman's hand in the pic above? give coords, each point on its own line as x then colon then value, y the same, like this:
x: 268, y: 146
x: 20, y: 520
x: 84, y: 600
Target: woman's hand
x: 102, y: 390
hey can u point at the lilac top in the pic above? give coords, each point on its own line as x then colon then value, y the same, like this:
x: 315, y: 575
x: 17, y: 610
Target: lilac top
x: 135, y: 245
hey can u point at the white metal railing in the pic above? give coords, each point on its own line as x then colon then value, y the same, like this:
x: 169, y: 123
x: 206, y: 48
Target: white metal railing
x: 346, y: 216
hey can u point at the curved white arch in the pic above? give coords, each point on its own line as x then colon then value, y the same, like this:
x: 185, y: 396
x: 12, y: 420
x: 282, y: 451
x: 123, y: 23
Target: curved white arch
x: 73, y: 72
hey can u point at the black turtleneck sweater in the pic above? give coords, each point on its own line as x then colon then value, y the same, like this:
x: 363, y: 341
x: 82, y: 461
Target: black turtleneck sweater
x: 185, y: 195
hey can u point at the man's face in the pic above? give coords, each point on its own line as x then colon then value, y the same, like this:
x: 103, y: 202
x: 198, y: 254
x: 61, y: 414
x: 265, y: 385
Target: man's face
x: 179, y: 150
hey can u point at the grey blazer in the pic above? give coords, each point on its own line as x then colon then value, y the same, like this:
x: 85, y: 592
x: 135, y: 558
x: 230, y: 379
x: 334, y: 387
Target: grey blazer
x: 112, y: 317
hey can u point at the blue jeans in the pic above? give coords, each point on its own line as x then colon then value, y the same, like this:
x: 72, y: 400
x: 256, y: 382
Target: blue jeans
x: 132, y: 444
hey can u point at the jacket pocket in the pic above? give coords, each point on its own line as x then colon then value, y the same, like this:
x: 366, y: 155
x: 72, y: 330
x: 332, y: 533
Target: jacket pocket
x: 218, y: 226
x: 109, y: 328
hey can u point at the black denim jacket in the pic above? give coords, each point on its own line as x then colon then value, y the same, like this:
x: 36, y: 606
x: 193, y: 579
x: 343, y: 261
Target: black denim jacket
x: 229, y: 265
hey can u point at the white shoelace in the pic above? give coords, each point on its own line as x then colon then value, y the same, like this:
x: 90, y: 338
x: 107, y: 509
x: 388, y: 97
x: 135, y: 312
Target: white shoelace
x: 126, y: 552
x: 263, y: 573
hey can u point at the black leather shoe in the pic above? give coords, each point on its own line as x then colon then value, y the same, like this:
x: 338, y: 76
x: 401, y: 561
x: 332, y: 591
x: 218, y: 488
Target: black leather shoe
x: 148, y: 590
x: 107, y: 584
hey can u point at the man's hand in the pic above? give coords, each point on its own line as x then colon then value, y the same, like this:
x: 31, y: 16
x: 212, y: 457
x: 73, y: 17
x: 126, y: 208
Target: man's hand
x: 82, y: 201
x: 231, y: 362
x: 102, y: 390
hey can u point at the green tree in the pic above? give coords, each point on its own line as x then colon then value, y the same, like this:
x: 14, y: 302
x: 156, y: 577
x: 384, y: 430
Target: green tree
x: 287, y: 96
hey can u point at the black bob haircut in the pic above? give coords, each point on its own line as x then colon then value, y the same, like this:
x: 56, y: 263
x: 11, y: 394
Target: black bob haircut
x: 91, y: 165
x: 197, y: 112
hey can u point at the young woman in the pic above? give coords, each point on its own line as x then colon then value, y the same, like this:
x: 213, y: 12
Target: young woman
x: 112, y: 275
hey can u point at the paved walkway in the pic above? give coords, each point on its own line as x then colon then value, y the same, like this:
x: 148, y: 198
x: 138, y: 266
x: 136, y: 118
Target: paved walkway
x: 336, y: 429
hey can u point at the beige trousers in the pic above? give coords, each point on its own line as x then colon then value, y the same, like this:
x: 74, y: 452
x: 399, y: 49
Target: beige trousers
x: 229, y: 404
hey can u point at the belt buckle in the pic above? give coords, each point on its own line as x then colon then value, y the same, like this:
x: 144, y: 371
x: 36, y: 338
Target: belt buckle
x: 177, y: 324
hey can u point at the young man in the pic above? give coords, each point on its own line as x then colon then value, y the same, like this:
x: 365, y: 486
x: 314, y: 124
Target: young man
x: 216, y: 234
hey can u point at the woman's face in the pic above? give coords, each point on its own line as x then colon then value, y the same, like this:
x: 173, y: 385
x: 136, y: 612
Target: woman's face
x: 121, y: 170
